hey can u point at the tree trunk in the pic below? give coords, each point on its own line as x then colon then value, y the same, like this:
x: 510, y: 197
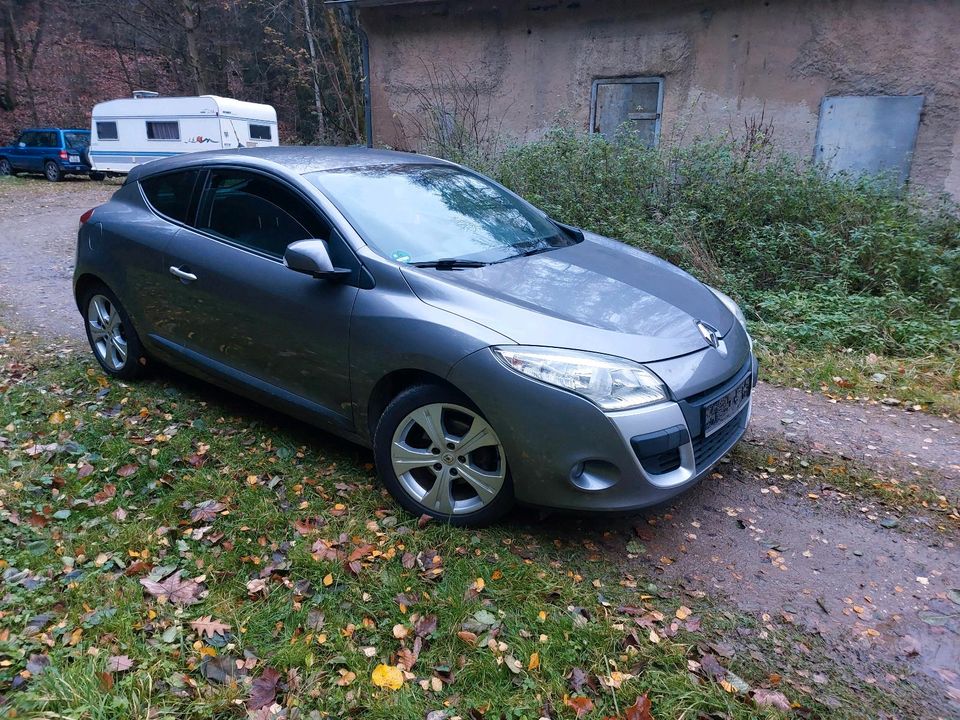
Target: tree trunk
x: 346, y: 68
x: 8, y: 99
x: 314, y: 72
x: 191, y: 20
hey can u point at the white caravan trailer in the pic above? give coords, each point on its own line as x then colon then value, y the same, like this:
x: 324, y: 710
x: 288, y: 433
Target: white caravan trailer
x: 130, y: 131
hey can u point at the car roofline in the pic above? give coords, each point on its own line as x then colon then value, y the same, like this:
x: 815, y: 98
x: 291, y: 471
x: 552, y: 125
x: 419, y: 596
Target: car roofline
x: 288, y: 159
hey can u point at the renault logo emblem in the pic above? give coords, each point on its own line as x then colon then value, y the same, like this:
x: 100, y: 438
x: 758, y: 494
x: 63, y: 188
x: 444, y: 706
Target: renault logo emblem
x: 710, y: 333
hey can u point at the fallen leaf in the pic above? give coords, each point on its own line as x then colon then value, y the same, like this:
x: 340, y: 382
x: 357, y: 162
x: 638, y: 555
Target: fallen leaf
x: 534, y: 661
x: 642, y: 709
x: 581, y: 705
x: 206, y: 511
x: 771, y: 698
x: 264, y: 690
x: 387, y: 676
x: 127, y: 470
x: 346, y: 677
x: 174, y: 588
x: 119, y: 663
x: 206, y: 625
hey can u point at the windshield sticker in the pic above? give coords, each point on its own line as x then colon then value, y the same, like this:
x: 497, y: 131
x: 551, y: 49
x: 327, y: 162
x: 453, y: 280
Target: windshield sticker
x: 401, y: 256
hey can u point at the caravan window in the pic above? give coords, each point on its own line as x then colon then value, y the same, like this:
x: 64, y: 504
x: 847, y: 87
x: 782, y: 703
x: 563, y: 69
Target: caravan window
x: 170, y: 194
x: 259, y: 132
x: 165, y: 130
x: 256, y: 212
x: 107, y: 130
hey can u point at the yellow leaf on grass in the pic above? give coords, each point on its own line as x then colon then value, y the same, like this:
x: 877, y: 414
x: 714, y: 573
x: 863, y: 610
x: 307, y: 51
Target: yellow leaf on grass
x: 683, y: 612
x: 56, y: 418
x: 534, y: 661
x: 387, y: 676
x: 328, y: 580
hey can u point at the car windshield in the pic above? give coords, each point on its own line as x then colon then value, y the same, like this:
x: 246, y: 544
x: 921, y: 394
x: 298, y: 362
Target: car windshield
x: 424, y: 213
x: 77, y: 140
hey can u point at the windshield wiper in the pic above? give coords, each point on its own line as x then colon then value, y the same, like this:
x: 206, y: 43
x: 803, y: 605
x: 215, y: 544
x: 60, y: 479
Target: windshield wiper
x: 449, y: 264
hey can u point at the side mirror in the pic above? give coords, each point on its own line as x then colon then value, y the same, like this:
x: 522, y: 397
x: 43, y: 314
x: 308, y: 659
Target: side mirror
x: 311, y: 258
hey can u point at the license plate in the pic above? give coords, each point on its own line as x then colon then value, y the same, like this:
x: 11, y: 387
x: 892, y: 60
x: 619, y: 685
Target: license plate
x: 722, y: 410
x: 75, y: 158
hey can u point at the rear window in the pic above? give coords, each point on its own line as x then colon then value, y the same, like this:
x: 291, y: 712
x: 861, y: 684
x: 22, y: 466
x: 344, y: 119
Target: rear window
x: 107, y: 130
x: 170, y: 194
x: 259, y: 132
x: 76, y: 140
x: 163, y: 130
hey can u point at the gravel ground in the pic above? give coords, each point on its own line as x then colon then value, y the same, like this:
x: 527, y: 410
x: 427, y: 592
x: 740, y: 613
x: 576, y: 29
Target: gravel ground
x: 788, y: 552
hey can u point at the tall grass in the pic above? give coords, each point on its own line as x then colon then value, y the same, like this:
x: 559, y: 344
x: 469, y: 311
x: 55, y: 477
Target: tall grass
x: 817, y: 261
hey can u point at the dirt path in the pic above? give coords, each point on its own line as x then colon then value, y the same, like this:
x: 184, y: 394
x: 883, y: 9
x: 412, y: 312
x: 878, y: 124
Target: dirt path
x: 38, y: 233
x: 790, y: 551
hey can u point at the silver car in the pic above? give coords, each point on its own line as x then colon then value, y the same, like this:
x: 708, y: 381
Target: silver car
x: 487, y: 353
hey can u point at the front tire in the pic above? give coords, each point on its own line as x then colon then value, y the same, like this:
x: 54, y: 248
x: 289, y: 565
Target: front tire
x: 52, y: 171
x: 114, y: 342
x: 437, y: 455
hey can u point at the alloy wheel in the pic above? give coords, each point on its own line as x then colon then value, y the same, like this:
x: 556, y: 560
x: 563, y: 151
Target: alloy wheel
x: 448, y: 458
x: 106, y: 332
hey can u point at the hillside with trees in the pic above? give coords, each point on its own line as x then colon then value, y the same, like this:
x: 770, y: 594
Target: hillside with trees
x: 61, y: 57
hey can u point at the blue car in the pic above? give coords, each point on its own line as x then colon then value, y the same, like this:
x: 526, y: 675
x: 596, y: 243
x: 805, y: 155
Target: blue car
x: 54, y: 152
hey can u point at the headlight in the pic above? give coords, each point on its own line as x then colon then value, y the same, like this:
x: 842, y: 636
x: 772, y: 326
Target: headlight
x: 731, y: 306
x: 610, y: 382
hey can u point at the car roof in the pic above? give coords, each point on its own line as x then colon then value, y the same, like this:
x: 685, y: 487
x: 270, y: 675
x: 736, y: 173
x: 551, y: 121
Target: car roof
x: 297, y: 159
x: 55, y: 129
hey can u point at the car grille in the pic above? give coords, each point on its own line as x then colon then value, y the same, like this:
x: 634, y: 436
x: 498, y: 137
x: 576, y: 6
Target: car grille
x: 707, y: 451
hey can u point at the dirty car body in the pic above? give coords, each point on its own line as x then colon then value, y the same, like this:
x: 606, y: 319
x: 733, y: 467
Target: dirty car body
x: 485, y: 352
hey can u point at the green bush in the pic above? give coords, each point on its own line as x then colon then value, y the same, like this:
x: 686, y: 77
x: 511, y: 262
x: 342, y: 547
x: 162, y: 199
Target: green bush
x: 817, y: 261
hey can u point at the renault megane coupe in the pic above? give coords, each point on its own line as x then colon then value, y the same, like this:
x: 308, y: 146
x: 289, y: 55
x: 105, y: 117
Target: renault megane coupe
x: 487, y: 353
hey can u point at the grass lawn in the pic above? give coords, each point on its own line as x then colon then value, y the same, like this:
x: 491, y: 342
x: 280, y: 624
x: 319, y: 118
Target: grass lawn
x: 168, y: 551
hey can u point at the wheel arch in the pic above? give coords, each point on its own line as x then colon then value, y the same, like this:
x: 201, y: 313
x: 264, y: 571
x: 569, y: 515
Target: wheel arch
x: 391, y: 385
x: 83, y: 284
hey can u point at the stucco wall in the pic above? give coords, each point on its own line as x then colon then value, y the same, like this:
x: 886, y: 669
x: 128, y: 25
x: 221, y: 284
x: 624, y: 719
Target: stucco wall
x: 533, y: 61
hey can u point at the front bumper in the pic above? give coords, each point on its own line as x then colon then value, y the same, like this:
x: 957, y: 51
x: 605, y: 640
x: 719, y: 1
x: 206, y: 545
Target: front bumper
x: 564, y: 452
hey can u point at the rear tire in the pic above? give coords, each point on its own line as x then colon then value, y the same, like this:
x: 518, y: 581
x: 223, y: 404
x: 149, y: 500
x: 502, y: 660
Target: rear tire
x: 111, y: 335
x: 437, y: 455
x: 52, y: 171
x: 5, y: 167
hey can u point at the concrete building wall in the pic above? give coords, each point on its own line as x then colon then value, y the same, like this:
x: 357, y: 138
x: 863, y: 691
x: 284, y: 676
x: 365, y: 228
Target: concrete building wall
x: 531, y: 64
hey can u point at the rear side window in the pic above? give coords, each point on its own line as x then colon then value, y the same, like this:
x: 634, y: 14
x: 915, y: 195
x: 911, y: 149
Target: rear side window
x: 163, y: 130
x: 30, y: 139
x: 257, y: 212
x: 260, y: 132
x: 107, y: 130
x: 170, y: 194
x: 76, y: 140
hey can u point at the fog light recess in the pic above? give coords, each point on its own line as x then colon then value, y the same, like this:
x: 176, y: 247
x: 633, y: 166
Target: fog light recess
x: 594, y: 475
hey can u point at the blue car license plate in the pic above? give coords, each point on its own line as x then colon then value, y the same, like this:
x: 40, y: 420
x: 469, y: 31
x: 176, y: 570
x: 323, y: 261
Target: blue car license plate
x: 722, y: 410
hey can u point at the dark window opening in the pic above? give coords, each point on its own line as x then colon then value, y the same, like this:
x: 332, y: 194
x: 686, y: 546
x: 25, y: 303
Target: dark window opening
x: 632, y: 105
x: 257, y: 213
x: 260, y: 132
x: 107, y: 130
x: 163, y: 130
x: 170, y: 194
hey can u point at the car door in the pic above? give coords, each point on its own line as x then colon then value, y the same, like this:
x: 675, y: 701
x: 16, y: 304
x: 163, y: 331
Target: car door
x: 43, y: 149
x: 245, y: 315
x: 20, y: 157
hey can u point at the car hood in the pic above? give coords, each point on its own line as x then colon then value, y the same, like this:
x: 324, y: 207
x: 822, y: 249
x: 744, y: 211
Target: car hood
x: 598, y: 295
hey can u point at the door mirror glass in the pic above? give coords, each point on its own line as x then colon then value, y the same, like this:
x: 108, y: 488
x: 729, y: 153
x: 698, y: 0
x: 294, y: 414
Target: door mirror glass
x: 311, y: 257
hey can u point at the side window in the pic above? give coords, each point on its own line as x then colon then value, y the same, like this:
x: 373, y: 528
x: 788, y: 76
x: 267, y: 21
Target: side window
x: 259, y: 132
x: 29, y: 139
x: 107, y: 130
x: 163, y: 130
x: 257, y: 212
x: 170, y: 194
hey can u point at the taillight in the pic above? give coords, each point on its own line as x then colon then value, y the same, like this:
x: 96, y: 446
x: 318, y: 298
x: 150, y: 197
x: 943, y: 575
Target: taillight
x: 86, y: 216
x: 63, y: 155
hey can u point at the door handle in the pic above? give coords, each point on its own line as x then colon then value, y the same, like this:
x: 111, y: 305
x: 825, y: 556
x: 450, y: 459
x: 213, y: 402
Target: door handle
x: 185, y: 276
